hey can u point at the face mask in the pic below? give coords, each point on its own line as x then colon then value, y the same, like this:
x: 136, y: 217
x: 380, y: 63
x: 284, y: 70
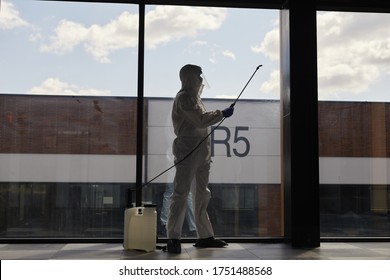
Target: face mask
x: 204, y: 84
x: 204, y: 81
x: 200, y: 91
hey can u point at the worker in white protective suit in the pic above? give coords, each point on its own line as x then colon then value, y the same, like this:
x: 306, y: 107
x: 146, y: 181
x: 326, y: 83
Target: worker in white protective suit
x: 191, y: 125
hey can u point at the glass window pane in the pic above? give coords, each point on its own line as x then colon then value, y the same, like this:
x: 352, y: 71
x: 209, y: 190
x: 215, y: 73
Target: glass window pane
x: 68, y: 117
x: 245, y: 149
x: 354, y: 117
x: 68, y: 48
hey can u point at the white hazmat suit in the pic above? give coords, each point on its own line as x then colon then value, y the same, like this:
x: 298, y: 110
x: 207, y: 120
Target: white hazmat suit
x: 191, y: 125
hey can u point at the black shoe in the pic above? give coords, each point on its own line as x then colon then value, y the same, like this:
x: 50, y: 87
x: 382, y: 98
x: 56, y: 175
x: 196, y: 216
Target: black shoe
x: 210, y: 242
x: 174, y: 246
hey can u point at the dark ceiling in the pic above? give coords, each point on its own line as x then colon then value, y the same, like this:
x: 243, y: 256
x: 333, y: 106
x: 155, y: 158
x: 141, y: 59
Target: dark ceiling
x: 329, y: 5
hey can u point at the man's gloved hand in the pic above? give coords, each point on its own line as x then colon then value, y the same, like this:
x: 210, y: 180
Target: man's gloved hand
x: 228, y: 112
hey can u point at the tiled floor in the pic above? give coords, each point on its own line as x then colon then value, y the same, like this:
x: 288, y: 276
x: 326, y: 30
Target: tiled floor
x: 242, y: 251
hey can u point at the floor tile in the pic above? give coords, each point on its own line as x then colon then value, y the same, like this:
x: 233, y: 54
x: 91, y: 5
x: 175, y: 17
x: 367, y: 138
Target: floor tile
x: 232, y: 252
x: 28, y: 247
x: 348, y: 254
x: 284, y: 254
x: 373, y: 245
x: 27, y: 255
x: 385, y: 252
x: 93, y: 246
x: 157, y: 255
x: 242, y: 251
x: 338, y: 245
x: 87, y: 255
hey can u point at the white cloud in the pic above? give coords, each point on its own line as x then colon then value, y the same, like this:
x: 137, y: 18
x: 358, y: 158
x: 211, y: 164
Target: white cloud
x: 353, y: 52
x: 35, y: 37
x: 99, y: 41
x: 272, y: 85
x: 168, y: 23
x: 68, y: 35
x: 200, y: 43
x: 10, y: 17
x: 215, y: 51
x: 270, y: 45
x: 163, y: 25
x: 56, y: 86
x: 229, y: 54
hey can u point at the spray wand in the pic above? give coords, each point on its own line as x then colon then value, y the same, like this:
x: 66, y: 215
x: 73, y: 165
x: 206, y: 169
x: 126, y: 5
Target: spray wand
x: 234, y: 103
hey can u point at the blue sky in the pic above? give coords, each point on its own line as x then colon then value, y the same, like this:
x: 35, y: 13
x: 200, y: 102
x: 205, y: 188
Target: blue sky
x: 91, y: 49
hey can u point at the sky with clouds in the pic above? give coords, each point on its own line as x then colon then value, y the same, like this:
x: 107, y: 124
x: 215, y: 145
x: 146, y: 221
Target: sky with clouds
x: 91, y: 49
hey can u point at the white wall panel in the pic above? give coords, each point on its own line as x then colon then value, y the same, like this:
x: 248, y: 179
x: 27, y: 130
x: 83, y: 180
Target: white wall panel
x: 250, y: 152
x: 353, y: 170
x: 67, y: 168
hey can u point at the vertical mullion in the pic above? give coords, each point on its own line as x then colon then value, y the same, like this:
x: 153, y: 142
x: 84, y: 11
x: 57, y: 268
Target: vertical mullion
x: 140, y: 102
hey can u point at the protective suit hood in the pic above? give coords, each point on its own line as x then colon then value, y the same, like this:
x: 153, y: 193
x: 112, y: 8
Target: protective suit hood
x: 190, y: 77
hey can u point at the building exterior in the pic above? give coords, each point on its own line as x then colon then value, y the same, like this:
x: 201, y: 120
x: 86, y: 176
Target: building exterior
x: 67, y: 162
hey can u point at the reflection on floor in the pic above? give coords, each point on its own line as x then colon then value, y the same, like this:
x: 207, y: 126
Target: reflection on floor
x: 242, y: 251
